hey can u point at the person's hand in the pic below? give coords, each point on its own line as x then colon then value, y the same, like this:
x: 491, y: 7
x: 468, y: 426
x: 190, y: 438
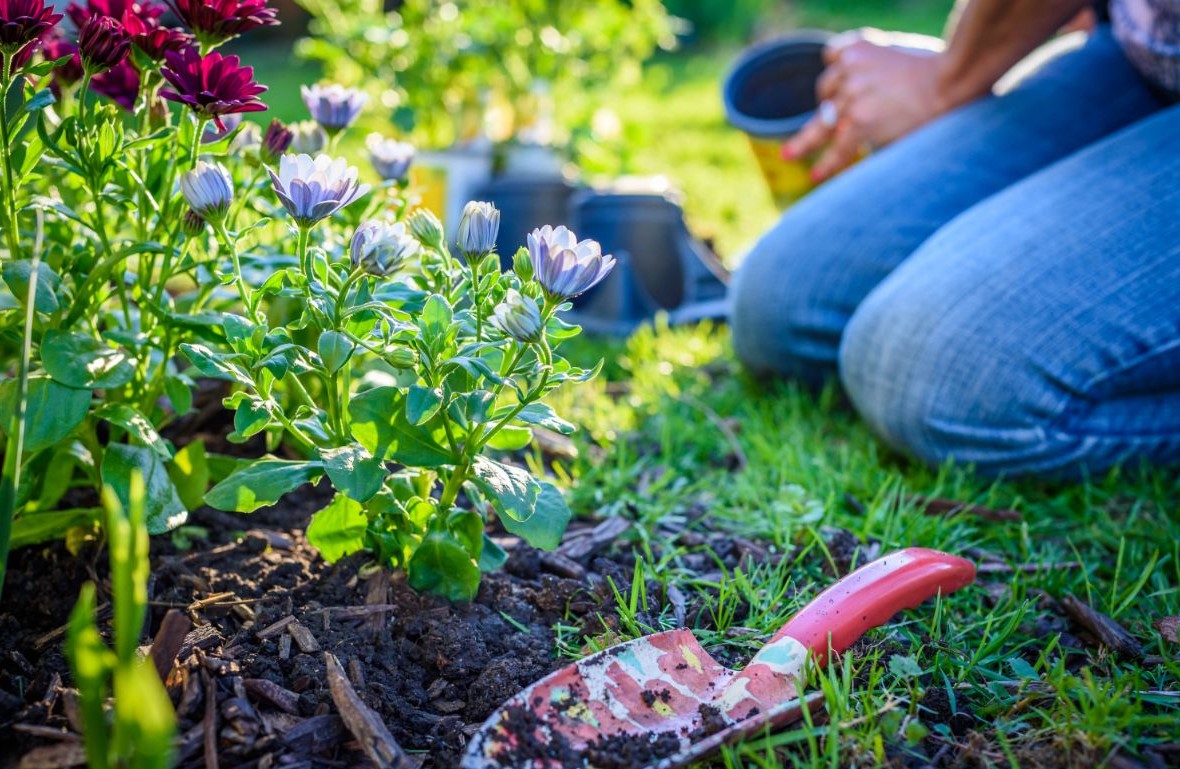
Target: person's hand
x: 877, y: 87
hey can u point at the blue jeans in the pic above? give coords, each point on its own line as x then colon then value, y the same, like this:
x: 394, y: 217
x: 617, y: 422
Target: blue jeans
x: 1001, y: 287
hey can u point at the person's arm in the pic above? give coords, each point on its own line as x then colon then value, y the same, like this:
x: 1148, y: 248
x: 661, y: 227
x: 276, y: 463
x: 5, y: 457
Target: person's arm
x: 882, y: 89
x: 987, y: 37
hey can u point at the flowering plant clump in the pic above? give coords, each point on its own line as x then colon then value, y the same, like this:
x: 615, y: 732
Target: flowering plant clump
x: 106, y: 267
x: 410, y: 366
x: 151, y: 237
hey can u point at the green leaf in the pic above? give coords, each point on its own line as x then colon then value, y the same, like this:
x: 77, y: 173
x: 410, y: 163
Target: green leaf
x: 512, y: 491
x: 545, y: 527
x: 422, y: 403
x: 180, y: 393
x: 338, y: 529
x: 162, y: 508
x: 135, y: 423
x: 16, y: 275
x: 79, y: 360
x: 1022, y: 670
x: 511, y: 438
x: 52, y: 411
x: 435, y: 322
x: 251, y: 417
x: 442, y: 566
x: 542, y: 415
x: 35, y: 528
x: 91, y: 663
x: 144, y: 716
x: 904, y: 666
x: 262, y: 482
x: 216, y: 365
x: 467, y: 528
x: 354, y: 471
x: 335, y: 349
x: 189, y: 471
x: 379, y: 423
x: 492, y: 557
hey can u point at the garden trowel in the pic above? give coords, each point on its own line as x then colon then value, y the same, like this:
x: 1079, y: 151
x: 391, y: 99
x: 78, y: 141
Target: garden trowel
x: 661, y: 701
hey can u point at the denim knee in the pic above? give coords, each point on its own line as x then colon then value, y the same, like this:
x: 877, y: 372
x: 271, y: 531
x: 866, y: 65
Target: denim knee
x: 930, y: 388
x: 778, y: 325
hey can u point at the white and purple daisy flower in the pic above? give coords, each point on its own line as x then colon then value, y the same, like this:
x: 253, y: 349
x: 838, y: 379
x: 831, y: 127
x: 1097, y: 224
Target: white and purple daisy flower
x: 519, y: 317
x: 333, y: 106
x: 391, y: 159
x: 564, y: 266
x: 478, y: 229
x: 312, y: 189
x: 381, y: 248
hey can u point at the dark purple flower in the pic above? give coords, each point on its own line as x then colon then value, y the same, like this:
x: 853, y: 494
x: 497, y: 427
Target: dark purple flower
x: 120, y: 84
x: 22, y: 22
x: 212, y: 85
x: 102, y: 43
x: 215, y: 21
x: 275, y: 142
x: 115, y: 9
x: 154, y: 40
x: 57, y: 46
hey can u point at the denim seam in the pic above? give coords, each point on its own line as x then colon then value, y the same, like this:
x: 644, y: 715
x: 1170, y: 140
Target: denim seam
x: 1076, y: 403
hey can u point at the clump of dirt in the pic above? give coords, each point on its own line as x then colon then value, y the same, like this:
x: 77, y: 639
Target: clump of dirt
x: 712, y: 721
x: 627, y: 751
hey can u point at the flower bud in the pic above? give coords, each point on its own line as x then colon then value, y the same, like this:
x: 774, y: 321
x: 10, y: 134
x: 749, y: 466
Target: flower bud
x: 401, y: 357
x: 478, y: 229
x: 102, y: 43
x: 192, y: 225
x: 333, y: 106
x: 275, y: 142
x: 426, y: 227
x: 381, y: 248
x: 208, y: 189
x: 307, y: 138
x: 522, y: 264
x: 519, y: 317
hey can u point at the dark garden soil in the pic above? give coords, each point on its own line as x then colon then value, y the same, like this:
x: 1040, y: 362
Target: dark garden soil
x: 241, y: 622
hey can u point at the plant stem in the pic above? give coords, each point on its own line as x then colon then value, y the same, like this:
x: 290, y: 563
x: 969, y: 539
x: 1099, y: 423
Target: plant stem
x: 10, y: 481
x: 6, y: 148
x: 301, y: 250
x: 243, y: 289
x: 244, y: 196
x: 454, y: 483
x: 195, y: 148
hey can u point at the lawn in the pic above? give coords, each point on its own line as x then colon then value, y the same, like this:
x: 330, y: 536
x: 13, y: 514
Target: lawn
x: 674, y: 415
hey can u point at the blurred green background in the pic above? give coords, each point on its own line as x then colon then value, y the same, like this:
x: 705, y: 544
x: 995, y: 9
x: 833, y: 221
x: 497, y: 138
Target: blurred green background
x: 671, y: 122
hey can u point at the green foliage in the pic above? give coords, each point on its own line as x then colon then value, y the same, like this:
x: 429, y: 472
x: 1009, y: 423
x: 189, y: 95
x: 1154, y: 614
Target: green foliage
x: 395, y: 389
x: 450, y: 60
x: 140, y: 733
x: 709, y: 20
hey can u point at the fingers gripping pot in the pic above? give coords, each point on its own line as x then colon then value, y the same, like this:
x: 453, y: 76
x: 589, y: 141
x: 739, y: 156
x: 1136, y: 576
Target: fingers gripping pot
x: 769, y: 95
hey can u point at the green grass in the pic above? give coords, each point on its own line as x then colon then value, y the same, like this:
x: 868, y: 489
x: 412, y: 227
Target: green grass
x: 657, y: 447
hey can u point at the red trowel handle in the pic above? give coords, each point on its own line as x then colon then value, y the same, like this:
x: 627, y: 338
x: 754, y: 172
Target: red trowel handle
x: 872, y: 594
